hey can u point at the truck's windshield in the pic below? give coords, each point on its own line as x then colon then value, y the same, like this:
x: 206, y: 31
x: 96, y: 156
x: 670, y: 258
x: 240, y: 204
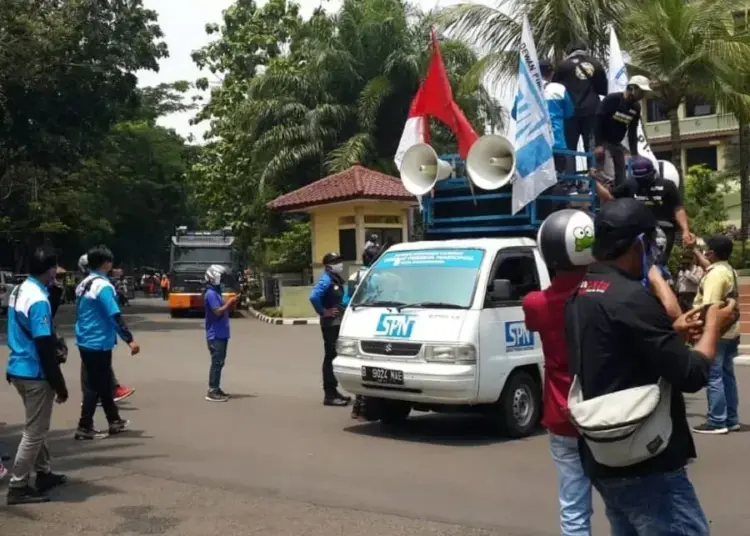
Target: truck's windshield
x: 202, y: 255
x: 418, y: 278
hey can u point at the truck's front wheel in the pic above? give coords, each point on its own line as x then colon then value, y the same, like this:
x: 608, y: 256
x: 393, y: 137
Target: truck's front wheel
x: 520, y: 405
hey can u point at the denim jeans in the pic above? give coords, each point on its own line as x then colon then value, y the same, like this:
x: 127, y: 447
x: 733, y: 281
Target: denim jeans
x: 662, y: 504
x: 722, y: 385
x: 218, y: 351
x: 574, y: 488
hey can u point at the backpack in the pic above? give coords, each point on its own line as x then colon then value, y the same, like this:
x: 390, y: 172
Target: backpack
x: 625, y: 427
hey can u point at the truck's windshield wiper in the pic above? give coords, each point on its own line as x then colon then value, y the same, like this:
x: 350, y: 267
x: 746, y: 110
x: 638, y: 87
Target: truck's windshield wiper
x: 430, y: 304
x: 378, y: 303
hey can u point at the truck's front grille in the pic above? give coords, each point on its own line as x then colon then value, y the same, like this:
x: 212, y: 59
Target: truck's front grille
x: 396, y: 349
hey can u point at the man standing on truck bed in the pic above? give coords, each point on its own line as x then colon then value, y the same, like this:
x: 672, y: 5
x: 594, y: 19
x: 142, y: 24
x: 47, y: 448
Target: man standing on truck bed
x: 585, y: 80
x: 544, y: 312
x: 619, y: 113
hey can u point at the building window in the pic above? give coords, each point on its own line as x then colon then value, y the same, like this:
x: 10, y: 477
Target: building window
x: 383, y: 220
x: 702, y: 155
x: 346, y: 220
x: 348, y: 244
x: 655, y: 111
x: 698, y: 107
x: 392, y: 236
x: 663, y: 155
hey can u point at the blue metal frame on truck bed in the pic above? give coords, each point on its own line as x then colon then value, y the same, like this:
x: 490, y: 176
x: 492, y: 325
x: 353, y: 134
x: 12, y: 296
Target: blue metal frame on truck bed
x: 494, y: 224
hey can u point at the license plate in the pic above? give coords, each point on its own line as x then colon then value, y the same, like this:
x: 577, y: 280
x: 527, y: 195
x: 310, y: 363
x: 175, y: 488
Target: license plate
x: 381, y: 375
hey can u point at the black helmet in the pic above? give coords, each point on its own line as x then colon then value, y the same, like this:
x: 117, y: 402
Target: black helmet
x: 565, y: 239
x: 331, y: 258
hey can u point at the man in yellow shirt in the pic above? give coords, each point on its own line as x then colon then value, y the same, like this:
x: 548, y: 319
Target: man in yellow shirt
x: 720, y: 283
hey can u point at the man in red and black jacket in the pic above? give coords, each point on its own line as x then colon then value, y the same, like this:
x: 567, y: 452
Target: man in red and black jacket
x: 545, y: 313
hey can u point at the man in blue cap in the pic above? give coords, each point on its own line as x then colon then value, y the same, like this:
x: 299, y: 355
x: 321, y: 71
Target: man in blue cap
x: 660, y: 196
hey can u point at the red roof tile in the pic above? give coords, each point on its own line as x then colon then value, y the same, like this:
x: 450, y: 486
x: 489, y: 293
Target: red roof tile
x: 357, y: 182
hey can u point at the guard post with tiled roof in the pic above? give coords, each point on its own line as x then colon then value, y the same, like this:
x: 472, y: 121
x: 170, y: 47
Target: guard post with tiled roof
x: 346, y: 208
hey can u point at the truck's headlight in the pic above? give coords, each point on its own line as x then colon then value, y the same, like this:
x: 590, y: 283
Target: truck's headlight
x: 464, y: 353
x: 346, y: 346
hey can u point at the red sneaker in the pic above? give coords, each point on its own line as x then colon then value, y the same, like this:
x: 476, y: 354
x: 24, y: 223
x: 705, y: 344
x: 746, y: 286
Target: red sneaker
x: 122, y: 392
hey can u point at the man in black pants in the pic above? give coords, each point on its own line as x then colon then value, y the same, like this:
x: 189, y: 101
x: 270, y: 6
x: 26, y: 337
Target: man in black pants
x: 97, y: 314
x: 585, y: 80
x: 619, y: 114
x: 327, y: 299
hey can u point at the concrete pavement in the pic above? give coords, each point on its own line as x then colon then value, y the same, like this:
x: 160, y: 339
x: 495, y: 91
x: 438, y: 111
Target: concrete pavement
x: 275, y: 461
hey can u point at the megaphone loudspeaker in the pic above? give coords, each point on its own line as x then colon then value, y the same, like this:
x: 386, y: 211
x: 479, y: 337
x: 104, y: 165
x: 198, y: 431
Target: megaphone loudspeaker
x: 421, y: 169
x: 491, y: 162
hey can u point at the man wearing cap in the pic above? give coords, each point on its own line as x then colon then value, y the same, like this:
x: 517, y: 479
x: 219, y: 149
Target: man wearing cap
x: 660, y: 195
x: 720, y: 283
x: 585, y: 80
x: 326, y: 298
x: 618, y: 114
x: 620, y: 337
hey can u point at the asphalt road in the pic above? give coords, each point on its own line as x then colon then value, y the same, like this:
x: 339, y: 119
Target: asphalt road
x: 274, y: 461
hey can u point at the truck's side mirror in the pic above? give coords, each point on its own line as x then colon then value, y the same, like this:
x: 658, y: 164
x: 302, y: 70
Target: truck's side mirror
x: 500, y: 290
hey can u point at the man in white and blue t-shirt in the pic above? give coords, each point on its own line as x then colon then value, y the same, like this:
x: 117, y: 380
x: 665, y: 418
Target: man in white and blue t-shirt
x: 98, y: 324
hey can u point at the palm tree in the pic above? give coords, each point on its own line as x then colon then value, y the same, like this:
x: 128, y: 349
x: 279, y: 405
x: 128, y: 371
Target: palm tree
x: 554, y: 24
x: 348, y: 100
x: 686, y: 48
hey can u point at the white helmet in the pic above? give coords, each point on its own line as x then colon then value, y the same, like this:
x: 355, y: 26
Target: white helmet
x: 83, y: 263
x: 214, y: 273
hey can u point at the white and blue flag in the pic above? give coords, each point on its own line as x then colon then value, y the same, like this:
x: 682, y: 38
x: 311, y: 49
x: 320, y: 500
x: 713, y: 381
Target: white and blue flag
x: 535, y: 165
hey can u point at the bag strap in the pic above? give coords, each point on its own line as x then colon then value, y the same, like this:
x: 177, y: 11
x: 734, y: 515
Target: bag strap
x: 25, y: 331
x: 577, y: 330
x: 85, y: 289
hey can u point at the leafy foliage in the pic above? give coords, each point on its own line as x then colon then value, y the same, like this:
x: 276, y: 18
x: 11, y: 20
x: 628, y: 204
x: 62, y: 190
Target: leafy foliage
x: 81, y: 158
x: 297, y: 100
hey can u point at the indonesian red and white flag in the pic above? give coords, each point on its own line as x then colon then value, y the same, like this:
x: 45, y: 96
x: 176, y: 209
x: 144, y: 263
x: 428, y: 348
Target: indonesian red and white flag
x: 435, y: 98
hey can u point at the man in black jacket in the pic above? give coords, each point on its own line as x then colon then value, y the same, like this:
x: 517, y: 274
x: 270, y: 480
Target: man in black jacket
x: 619, y: 114
x: 623, y: 338
x: 585, y: 79
x: 34, y: 371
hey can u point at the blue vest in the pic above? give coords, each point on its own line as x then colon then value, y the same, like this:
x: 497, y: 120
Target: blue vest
x: 29, y: 317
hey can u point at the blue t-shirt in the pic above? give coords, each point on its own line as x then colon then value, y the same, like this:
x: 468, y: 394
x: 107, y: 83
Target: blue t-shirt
x: 29, y: 307
x: 217, y: 327
x: 96, y: 308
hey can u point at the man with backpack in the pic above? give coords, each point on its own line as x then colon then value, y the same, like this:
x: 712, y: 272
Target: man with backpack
x: 34, y: 370
x: 718, y: 285
x: 630, y: 366
x: 98, y: 324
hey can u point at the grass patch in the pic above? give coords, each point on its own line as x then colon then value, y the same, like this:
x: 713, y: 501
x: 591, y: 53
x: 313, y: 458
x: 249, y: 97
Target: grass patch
x: 273, y: 312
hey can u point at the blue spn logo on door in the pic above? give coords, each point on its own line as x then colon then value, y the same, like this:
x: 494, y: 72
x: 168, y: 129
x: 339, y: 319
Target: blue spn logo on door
x: 517, y: 337
x: 395, y: 326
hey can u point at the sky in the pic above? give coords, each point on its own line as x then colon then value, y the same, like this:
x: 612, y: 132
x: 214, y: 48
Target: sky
x: 183, y: 23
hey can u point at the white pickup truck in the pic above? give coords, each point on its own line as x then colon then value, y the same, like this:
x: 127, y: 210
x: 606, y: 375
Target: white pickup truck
x: 438, y: 326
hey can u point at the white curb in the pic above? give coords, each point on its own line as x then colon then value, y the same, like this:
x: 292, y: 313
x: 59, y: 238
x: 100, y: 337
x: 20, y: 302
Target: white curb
x: 283, y: 321
x: 743, y: 360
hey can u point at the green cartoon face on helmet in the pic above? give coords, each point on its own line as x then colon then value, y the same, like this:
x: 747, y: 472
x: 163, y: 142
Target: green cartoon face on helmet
x: 584, y: 238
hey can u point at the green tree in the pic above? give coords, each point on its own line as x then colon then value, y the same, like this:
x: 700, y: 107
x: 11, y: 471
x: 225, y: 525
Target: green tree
x: 66, y: 76
x: 496, y: 31
x: 685, y: 48
x: 335, y: 91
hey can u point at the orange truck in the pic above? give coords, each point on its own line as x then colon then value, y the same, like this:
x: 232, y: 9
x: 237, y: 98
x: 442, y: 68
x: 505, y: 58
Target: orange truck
x: 191, y: 253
